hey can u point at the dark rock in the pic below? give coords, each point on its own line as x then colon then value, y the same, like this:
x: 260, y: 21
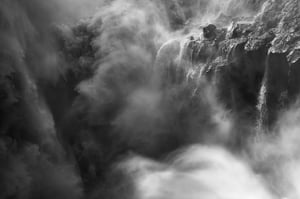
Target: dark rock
x: 261, y: 53
x: 209, y: 32
x: 239, y: 29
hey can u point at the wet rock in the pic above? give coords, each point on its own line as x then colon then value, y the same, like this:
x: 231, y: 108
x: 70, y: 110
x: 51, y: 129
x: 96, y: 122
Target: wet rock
x: 258, y: 42
x: 276, y: 84
x: 201, y: 51
x: 256, y: 55
x: 209, y: 32
x: 239, y: 29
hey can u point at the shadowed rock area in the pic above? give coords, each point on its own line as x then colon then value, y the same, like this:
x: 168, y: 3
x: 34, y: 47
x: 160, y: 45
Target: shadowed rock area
x: 253, y: 63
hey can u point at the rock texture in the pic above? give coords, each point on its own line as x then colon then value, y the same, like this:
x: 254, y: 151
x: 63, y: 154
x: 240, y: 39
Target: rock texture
x: 257, y: 64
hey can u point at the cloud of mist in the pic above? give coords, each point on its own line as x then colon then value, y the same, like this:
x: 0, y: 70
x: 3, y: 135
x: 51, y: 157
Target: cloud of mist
x: 203, y: 12
x: 196, y: 172
x: 121, y: 108
x: 120, y: 113
x: 270, y: 170
x: 277, y: 153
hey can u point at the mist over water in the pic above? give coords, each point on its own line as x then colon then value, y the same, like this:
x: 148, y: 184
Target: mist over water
x: 142, y: 99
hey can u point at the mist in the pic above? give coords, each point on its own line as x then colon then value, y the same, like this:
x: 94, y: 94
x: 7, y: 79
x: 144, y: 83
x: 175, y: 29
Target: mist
x: 149, y: 99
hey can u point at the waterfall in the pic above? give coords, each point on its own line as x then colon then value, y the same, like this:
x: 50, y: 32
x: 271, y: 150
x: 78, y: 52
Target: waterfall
x: 149, y: 99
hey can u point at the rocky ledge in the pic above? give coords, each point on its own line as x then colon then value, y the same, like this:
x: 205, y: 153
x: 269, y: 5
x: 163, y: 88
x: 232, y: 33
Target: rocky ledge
x: 253, y: 63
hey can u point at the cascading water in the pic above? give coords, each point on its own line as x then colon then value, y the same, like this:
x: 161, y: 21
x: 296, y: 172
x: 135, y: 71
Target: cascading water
x: 149, y: 99
x: 262, y: 110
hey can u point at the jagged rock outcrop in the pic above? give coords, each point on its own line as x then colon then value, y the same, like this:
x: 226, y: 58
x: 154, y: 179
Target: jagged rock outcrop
x: 256, y: 66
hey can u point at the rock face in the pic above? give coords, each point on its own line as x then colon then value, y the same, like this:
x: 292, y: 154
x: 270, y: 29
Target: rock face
x: 256, y: 66
x: 273, y: 42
